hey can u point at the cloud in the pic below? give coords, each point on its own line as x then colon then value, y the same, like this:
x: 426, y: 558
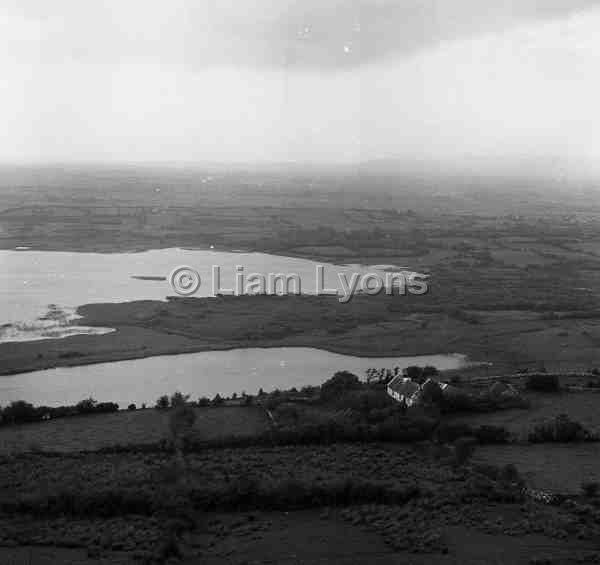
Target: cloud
x: 307, y: 34
x: 522, y: 96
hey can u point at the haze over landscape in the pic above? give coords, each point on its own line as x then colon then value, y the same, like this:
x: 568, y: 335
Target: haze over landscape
x: 502, y: 87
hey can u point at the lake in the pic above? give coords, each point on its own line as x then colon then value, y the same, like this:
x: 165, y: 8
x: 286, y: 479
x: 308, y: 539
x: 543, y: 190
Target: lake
x: 40, y: 290
x: 198, y: 374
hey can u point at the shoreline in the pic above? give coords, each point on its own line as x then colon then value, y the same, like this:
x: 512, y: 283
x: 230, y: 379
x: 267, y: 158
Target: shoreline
x: 116, y: 357
x: 337, y: 260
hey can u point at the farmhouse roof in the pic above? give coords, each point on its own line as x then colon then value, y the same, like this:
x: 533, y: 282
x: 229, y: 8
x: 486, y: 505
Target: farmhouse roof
x: 403, y: 386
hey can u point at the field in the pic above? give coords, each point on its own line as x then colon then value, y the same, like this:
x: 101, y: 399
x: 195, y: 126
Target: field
x: 309, y: 537
x: 560, y: 469
x: 139, y: 427
x: 294, y: 504
x: 580, y: 405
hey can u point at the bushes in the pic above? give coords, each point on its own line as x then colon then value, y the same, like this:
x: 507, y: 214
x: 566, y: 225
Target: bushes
x: 181, y: 421
x: 104, y: 503
x: 399, y: 429
x: 21, y: 412
x: 238, y: 494
x: 339, y: 384
x: 590, y: 489
x: 365, y: 402
x: 420, y: 374
x: 542, y: 382
x: 463, y: 449
x: 395, y: 428
x: 162, y: 403
x: 105, y: 408
x: 562, y: 429
x: 296, y: 494
x: 485, y: 434
x: 500, y: 484
x: 491, y: 435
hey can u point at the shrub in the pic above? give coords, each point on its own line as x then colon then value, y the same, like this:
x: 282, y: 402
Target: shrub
x: 511, y: 474
x: 430, y: 371
x: 169, y: 548
x: 340, y: 383
x: 590, y: 488
x: 19, y: 411
x: 132, y: 407
x: 463, y: 449
x: 491, y: 434
x: 287, y: 412
x: 414, y: 373
x: 179, y: 399
x: 420, y: 374
x: 86, y: 406
x: 542, y: 382
x: 483, y: 434
x: 447, y: 433
x: 105, y: 407
x: 561, y: 429
x: 162, y: 403
x: 455, y: 380
x: 181, y: 421
x: 365, y: 401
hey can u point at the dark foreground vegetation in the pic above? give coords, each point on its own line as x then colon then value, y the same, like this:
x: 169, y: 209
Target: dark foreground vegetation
x: 345, y: 450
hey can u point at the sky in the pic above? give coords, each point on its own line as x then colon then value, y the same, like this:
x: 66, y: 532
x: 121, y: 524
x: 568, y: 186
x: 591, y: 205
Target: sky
x: 451, y: 83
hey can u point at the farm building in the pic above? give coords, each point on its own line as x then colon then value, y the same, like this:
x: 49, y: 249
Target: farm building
x: 402, y: 389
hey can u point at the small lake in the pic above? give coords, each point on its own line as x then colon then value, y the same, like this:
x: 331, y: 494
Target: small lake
x: 198, y: 374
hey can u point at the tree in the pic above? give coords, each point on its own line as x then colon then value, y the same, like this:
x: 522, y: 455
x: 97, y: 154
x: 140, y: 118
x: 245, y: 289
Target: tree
x: 162, y: 403
x: 414, y: 372
x: 340, y: 383
x: 19, y: 411
x: 86, y: 406
x: 178, y: 399
x: 420, y: 374
x: 430, y: 371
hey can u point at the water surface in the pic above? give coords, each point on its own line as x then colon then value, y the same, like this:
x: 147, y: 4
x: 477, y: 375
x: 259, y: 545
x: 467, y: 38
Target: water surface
x: 198, y: 374
x: 40, y: 290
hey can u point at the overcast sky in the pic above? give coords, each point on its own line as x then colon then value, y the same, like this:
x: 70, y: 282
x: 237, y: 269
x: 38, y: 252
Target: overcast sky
x: 495, y: 84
